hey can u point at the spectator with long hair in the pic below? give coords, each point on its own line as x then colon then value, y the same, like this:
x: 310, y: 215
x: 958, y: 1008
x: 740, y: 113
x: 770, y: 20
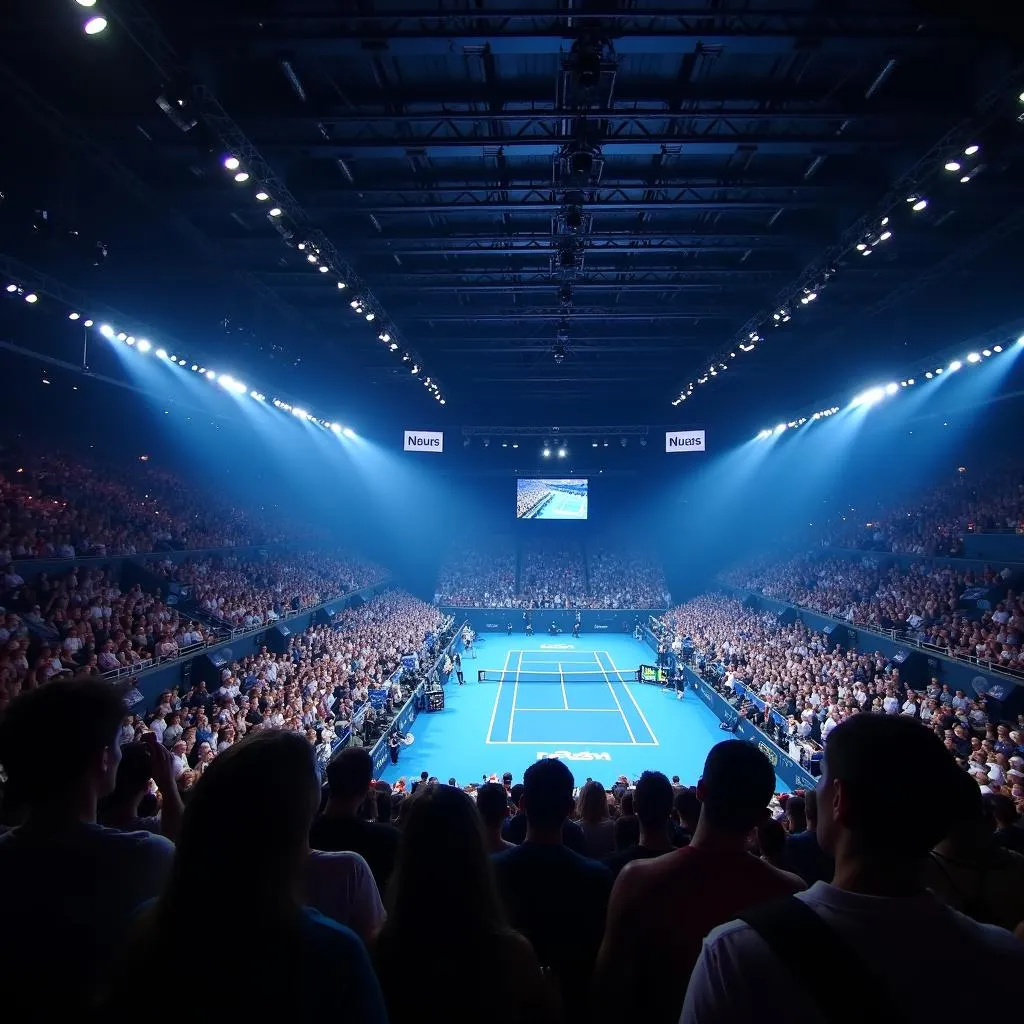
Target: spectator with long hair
x: 598, y: 827
x: 248, y: 822
x: 443, y: 898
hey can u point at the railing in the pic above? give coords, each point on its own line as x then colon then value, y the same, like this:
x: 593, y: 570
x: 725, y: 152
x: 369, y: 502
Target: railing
x: 225, y: 636
x: 360, y: 714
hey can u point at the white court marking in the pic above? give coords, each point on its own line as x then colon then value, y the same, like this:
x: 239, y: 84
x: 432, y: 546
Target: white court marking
x: 497, y: 697
x: 625, y: 686
x: 515, y: 696
x: 617, y: 710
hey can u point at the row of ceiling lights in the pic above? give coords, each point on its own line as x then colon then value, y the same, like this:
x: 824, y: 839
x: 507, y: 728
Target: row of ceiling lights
x: 872, y: 396
x: 316, y: 260
x: 145, y: 346
x: 550, y: 448
x: 233, y: 165
x: 966, y: 161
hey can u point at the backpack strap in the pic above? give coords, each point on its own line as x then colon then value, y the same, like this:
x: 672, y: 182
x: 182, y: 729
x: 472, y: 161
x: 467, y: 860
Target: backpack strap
x: 824, y: 964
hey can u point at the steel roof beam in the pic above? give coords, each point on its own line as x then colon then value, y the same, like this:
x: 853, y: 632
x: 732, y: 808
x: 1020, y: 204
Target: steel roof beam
x: 655, y: 313
x: 531, y: 31
x: 621, y: 116
x: 650, y: 144
x: 339, y: 204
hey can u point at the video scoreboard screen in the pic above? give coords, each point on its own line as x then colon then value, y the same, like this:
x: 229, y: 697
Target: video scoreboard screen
x: 551, y: 499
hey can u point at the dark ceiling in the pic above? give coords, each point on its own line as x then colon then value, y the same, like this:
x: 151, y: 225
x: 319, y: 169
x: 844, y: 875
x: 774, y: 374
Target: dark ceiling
x: 564, y: 212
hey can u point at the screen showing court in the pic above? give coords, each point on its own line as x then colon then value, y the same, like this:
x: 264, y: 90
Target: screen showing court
x: 551, y: 499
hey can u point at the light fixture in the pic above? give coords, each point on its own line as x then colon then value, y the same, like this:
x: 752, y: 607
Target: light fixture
x: 86, y: 3
x: 952, y: 165
x: 31, y: 298
x: 955, y: 365
x: 274, y: 212
x: 974, y: 357
x: 546, y: 453
x: 262, y: 196
x: 144, y: 346
x: 370, y: 316
x: 94, y: 26
x: 971, y: 149
x: 323, y: 268
x: 341, y: 285
x: 74, y: 316
x: 12, y: 288
x: 241, y: 177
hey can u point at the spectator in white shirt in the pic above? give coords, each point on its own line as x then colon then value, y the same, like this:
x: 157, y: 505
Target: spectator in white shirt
x: 877, y: 906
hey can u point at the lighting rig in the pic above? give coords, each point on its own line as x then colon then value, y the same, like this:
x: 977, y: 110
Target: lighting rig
x: 959, y: 158
x: 585, y: 83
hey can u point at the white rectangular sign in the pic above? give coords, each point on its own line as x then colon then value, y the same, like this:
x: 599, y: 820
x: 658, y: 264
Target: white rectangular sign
x: 424, y: 441
x: 684, y: 440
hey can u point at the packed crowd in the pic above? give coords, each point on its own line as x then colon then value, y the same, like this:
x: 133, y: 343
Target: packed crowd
x: 553, y: 575
x: 814, y: 689
x: 623, y: 576
x: 478, y: 574
x: 606, y: 576
x: 922, y: 601
x: 322, y: 686
x: 530, y: 494
x: 668, y: 903
x: 249, y: 594
x: 54, y: 506
x: 82, y: 622
x: 936, y: 523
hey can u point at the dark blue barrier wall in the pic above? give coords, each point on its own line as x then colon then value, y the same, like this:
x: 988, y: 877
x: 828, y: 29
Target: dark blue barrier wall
x: 32, y: 567
x: 496, y: 620
x: 921, y: 663
x: 791, y: 774
x: 405, y: 717
x: 1003, y: 548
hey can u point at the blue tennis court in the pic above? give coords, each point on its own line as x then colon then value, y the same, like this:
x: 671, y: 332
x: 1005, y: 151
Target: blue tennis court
x: 562, y: 505
x: 559, y: 696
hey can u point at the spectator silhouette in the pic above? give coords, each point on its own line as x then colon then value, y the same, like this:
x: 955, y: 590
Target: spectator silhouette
x: 661, y: 909
x: 554, y: 896
x: 653, y: 803
x: 970, y: 870
x: 804, y: 854
x: 877, y: 910
x: 249, y: 818
x: 69, y: 888
x: 341, y: 828
x: 443, y: 897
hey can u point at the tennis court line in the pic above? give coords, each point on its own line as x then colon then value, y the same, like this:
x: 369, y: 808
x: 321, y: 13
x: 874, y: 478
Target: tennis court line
x: 515, y: 695
x: 589, y: 744
x: 615, y: 696
x: 625, y: 686
x: 497, y: 697
x: 565, y: 696
x: 574, y: 711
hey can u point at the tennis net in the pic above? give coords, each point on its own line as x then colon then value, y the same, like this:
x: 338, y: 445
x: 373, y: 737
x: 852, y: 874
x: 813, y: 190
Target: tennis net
x: 556, y: 677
